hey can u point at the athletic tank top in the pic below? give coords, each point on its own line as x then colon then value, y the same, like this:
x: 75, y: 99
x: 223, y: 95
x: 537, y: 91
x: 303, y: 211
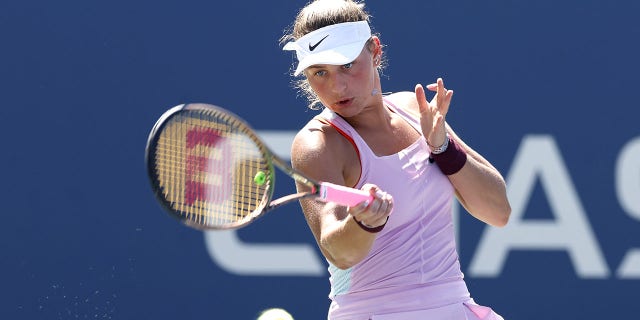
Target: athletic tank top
x: 415, y: 254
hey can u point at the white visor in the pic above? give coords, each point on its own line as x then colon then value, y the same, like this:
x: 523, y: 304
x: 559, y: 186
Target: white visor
x: 336, y: 44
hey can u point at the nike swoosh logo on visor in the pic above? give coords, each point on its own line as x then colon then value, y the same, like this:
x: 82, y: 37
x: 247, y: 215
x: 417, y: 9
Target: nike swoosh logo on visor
x: 313, y: 47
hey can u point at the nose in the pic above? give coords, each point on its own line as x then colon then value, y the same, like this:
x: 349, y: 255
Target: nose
x: 338, y: 83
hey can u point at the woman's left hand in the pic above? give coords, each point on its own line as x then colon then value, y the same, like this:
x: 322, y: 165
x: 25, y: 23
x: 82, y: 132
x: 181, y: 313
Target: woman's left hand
x: 432, y: 114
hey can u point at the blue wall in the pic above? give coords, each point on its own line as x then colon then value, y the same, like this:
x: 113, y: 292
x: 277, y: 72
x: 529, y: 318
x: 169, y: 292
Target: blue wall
x: 547, y: 90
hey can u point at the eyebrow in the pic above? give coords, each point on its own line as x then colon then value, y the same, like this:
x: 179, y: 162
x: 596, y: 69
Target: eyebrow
x: 320, y: 66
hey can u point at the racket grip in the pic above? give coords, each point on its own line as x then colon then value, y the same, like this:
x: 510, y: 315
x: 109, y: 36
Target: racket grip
x: 346, y: 196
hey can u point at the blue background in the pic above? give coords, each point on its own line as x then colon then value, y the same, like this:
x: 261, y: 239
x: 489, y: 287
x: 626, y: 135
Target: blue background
x: 83, y: 82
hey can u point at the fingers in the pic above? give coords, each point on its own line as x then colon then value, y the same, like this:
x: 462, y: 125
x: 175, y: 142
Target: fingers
x: 373, y: 214
x: 433, y: 113
x: 439, y: 88
x: 427, y: 111
x: 442, y: 99
x: 421, y: 96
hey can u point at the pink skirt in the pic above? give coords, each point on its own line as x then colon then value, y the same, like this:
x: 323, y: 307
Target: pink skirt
x: 458, y: 311
x: 443, y: 301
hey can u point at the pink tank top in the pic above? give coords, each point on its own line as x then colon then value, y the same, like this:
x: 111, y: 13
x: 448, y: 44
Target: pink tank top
x: 413, y: 263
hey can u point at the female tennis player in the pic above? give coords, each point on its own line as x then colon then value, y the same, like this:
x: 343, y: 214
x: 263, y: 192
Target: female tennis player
x: 393, y: 257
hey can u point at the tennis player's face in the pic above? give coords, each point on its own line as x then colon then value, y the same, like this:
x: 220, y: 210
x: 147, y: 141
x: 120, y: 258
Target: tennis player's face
x: 345, y: 89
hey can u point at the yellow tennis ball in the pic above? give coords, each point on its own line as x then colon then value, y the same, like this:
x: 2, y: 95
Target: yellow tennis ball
x: 260, y: 178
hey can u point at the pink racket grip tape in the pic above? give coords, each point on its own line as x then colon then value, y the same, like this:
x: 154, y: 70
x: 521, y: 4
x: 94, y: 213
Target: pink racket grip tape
x: 346, y: 196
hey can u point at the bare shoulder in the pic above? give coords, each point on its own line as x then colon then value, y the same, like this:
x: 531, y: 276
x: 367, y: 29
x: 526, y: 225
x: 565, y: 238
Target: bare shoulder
x: 321, y: 152
x: 405, y: 100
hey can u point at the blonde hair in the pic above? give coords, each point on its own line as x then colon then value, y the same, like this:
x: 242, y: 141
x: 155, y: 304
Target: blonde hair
x: 318, y: 14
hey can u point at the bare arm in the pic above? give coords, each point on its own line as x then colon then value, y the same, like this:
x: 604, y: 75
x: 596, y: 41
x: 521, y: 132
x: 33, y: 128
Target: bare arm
x: 339, y: 237
x: 479, y: 186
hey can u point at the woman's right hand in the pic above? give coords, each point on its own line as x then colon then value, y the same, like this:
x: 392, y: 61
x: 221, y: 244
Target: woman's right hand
x: 375, y: 213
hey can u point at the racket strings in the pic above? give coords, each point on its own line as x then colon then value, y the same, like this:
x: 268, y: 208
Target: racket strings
x: 206, y: 164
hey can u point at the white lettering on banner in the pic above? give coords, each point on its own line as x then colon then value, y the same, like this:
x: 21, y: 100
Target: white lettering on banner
x: 539, y: 157
x: 628, y: 192
x: 267, y: 259
x: 237, y: 257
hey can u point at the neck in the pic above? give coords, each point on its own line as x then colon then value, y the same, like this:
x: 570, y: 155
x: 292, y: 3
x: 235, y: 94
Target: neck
x: 376, y: 116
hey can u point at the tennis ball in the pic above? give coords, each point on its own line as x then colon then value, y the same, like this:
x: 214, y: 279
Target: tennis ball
x: 275, y: 314
x: 260, y: 178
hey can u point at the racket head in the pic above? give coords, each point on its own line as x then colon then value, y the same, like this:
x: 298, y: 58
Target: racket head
x: 208, y: 168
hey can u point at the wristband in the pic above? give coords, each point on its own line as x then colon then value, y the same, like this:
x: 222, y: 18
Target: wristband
x: 370, y: 229
x: 450, y: 160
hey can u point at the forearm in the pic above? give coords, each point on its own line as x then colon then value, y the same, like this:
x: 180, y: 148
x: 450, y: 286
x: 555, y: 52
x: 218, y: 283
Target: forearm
x: 480, y: 186
x: 343, y: 242
x: 482, y: 191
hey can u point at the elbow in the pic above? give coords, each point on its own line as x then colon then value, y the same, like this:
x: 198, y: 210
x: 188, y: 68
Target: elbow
x: 343, y: 264
x: 502, y: 216
x: 497, y: 214
x: 341, y: 259
x: 344, y: 261
x: 501, y: 211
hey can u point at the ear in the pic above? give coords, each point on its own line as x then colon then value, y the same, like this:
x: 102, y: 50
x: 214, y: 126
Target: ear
x: 376, y: 50
x: 376, y: 42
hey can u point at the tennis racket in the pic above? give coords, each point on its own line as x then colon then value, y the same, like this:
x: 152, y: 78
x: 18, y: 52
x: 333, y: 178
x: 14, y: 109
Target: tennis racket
x: 209, y: 169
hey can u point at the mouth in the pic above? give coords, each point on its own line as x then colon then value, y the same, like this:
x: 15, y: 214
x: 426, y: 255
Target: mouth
x: 344, y: 102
